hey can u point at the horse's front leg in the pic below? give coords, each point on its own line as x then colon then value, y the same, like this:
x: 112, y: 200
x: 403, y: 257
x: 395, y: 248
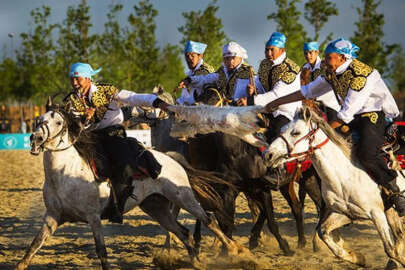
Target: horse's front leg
x: 328, y: 225
x: 48, y: 228
x: 298, y: 211
x: 97, y: 229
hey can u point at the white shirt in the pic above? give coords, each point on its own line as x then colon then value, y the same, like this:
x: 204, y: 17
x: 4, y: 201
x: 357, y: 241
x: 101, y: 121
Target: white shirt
x: 375, y: 96
x: 186, y: 97
x: 279, y: 90
x: 114, y: 115
x: 239, y: 87
x: 328, y: 99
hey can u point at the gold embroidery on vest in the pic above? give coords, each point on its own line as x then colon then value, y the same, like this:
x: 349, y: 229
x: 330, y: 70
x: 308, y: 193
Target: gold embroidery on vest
x: 287, y: 72
x: 102, y: 98
x: 243, y: 72
x: 355, y: 77
x: 204, y: 69
x: 264, y: 72
x: 373, y: 116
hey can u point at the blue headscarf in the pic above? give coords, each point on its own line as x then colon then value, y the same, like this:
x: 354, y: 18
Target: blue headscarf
x: 343, y: 46
x: 311, y: 46
x: 277, y: 39
x: 196, y: 47
x: 82, y: 70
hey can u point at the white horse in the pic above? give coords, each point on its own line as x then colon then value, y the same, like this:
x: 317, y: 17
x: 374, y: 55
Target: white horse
x: 71, y: 193
x: 348, y: 191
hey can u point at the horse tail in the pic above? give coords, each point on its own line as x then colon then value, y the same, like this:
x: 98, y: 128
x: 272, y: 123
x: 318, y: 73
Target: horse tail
x: 205, y: 185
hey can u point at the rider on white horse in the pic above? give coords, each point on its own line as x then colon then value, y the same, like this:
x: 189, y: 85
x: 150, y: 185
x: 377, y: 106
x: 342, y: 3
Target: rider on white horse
x: 309, y: 72
x: 194, y: 54
x: 97, y: 106
x: 365, y: 102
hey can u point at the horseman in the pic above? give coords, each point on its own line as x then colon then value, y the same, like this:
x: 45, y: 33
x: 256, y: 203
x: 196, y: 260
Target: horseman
x: 194, y: 53
x: 97, y: 107
x: 231, y: 79
x: 309, y: 72
x: 278, y: 76
x: 365, y: 103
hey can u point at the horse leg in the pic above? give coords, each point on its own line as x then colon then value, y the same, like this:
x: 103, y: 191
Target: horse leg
x: 97, y: 229
x: 392, y: 240
x: 325, y: 231
x: 188, y: 202
x: 298, y: 212
x: 174, y: 209
x: 48, y: 228
x: 197, y: 235
x: 256, y: 230
x: 265, y: 202
x: 158, y: 208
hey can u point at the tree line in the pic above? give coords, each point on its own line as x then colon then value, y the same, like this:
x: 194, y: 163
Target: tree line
x: 131, y: 58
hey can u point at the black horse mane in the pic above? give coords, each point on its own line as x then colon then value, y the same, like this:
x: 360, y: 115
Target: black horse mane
x: 84, y: 140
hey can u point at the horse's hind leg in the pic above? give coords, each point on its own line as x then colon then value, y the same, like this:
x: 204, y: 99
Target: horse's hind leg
x: 298, y: 211
x: 97, y: 229
x: 48, y: 228
x: 174, y: 209
x: 256, y: 230
x: 188, y: 202
x: 325, y: 232
x: 157, y: 207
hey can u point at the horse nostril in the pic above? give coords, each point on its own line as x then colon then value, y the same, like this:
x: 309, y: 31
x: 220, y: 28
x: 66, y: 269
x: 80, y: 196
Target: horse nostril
x: 40, y: 139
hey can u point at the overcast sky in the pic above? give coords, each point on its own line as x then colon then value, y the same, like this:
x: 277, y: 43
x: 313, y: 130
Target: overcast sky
x: 245, y: 21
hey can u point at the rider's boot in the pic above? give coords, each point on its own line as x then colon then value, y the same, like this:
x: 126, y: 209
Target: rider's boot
x: 396, y: 198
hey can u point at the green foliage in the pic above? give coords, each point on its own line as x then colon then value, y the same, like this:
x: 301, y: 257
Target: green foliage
x: 171, y: 67
x: 369, y: 37
x: 129, y: 56
x: 317, y: 13
x: 206, y: 27
x: 287, y: 18
x: 34, y: 60
x: 397, y: 68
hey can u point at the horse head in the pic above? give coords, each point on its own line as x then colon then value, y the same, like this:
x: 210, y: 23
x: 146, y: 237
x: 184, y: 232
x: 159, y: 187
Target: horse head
x: 298, y: 139
x: 51, y: 131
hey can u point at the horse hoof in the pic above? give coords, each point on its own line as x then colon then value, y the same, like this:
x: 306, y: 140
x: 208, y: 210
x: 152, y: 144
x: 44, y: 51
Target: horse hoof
x: 391, y: 264
x: 302, y: 243
x: 253, y: 244
x: 358, y: 258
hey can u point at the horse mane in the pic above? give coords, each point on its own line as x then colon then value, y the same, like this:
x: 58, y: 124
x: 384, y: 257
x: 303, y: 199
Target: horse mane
x: 341, y: 142
x: 84, y: 140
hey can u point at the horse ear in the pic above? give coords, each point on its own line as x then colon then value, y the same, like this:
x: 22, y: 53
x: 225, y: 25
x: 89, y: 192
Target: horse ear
x: 306, y: 113
x: 48, y: 104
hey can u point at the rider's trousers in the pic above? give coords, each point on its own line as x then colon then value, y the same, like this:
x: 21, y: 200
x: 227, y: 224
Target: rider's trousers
x: 371, y: 128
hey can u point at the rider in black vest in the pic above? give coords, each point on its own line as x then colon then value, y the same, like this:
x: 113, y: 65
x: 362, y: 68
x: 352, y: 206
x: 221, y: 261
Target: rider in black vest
x: 365, y: 102
x: 96, y: 105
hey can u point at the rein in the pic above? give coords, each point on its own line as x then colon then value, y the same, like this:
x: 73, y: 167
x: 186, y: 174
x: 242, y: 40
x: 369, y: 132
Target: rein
x: 62, y: 131
x: 311, y: 149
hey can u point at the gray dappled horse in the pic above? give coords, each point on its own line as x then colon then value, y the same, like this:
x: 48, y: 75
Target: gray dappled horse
x: 71, y: 193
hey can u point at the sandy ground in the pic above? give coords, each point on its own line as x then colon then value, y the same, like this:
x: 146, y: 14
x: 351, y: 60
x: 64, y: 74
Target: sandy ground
x: 134, y: 244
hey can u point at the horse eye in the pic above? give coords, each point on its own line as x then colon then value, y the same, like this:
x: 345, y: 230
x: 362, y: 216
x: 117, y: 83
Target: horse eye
x: 295, y: 133
x: 59, y: 123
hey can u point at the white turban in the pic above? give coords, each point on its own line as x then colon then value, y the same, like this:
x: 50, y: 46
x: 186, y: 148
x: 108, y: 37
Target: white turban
x: 234, y: 49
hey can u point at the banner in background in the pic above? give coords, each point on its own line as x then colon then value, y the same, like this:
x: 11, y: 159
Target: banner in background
x: 20, y: 141
x: 15, y: 141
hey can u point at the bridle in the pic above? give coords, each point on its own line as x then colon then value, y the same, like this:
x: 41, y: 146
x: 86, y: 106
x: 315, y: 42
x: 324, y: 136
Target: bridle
x: 305, y: 155
x: 45, y: 129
